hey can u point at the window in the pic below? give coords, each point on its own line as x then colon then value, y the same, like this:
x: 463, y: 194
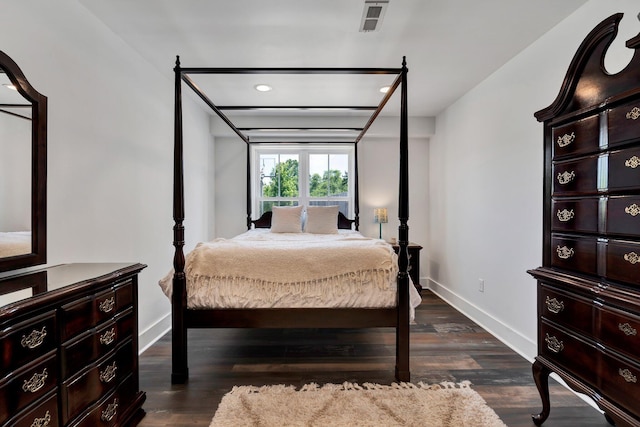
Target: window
x: 304, y: 175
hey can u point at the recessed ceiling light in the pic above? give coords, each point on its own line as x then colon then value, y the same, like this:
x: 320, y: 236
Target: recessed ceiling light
x: 263, y: 88
x: 9, y: 86
x: 385, y: 89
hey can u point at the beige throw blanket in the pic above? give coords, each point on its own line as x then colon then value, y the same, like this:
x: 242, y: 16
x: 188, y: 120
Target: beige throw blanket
x: 260, y: 269
x: 278, y: 258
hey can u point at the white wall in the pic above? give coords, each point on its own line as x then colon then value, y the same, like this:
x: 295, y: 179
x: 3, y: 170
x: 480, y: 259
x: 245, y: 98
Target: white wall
x: 230, y: 187
x: 485, y: 179
x: 378, y: 177
x: 110, y: 146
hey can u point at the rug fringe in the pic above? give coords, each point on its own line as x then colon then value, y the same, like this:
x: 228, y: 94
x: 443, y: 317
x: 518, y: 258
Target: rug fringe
x: 312, y: 387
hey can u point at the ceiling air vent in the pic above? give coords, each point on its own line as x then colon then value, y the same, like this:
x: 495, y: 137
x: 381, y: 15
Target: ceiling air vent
x: 372, y: 15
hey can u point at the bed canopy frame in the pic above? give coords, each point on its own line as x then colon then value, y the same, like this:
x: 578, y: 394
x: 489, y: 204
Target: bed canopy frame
x: 184, y: 318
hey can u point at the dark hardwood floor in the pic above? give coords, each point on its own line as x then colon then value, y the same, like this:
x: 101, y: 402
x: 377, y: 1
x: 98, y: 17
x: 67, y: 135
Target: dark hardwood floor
x: 445, y: 346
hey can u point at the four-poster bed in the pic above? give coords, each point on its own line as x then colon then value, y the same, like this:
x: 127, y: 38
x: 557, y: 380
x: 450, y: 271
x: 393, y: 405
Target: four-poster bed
x: 397, y: 315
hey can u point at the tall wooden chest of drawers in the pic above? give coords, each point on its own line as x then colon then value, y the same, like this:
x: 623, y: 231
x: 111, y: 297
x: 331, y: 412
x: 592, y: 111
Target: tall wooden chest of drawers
x: 69, y: 340
x: 589, y: 283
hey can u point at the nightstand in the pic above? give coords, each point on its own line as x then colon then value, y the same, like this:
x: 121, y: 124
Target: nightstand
x: 414, y: 262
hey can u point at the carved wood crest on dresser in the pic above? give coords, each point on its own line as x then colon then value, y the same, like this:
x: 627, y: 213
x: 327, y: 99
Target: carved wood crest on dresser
x: 69, y: 341
x: 589, y: 283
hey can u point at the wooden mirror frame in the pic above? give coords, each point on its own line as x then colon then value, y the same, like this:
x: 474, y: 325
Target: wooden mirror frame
x: 38, y: 254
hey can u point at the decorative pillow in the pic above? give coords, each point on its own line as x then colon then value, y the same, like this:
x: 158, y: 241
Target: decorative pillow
x: 286, y: 219
x: 322, y: 220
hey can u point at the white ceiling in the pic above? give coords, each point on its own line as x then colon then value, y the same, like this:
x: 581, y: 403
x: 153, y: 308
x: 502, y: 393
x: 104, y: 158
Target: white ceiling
x: 450, y: 45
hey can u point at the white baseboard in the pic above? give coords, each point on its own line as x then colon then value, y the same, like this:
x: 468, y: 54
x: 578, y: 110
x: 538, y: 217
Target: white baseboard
x: 522, y: 345
x: 153, y: 333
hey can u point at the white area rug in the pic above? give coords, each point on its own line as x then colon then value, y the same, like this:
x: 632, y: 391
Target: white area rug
x: 348, y: 404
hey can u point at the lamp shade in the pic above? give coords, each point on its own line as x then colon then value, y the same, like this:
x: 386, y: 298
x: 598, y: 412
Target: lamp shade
x: 380, y: 215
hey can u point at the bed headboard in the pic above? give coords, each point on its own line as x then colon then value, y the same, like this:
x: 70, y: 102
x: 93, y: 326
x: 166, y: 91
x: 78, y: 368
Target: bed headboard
x: 264, y: 221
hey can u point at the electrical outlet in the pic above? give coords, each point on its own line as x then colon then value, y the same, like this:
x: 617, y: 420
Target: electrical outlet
x: 481, y: 285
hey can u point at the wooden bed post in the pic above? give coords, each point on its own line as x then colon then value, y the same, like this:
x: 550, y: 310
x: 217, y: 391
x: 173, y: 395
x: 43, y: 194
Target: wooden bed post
x: 402, y: 333
x: 180, y: 371
x: 356, y: 208
x: 249, y: 187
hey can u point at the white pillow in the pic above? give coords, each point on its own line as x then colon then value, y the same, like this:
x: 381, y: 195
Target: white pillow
x: 286, y: 219
x: 322, y: 220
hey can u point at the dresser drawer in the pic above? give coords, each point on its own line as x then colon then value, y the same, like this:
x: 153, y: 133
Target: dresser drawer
x: 620, y: 330
x: 95, y: 382
x: 567, y: 350
x: 623, y: 216
x: 621, y: 381
x: 76, y: 317
x: 111, y: 409
x: 623, y: 261
x: 574, y: 253
x: 624, y: 123
x: 576, y: 176
x: 97, y: 308
x: 124, y: 295
x: 26, y: 341
x: 576, y: 138
x: 570, y: 311
x: 96, y: 343
x: 105, y: 306
x: 28, y: 385
x: 577, y: 215
x: 43, y: 414
x: 624, y: 170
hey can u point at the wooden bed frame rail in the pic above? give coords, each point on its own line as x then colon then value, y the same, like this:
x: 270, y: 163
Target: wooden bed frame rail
x: 184, y: 318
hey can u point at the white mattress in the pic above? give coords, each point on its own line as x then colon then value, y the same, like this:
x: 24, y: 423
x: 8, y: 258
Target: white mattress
x: 261, y: 269
x: 14, y: 243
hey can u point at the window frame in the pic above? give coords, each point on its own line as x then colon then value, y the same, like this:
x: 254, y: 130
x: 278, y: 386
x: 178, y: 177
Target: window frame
x: 303, y: 151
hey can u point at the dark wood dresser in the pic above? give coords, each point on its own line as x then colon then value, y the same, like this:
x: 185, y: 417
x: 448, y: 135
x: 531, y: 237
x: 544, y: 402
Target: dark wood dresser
x: 589, y: 283
x: 69, y: 340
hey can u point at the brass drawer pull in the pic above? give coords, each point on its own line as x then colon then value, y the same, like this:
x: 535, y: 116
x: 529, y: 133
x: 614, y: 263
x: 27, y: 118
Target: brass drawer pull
x: 633, y: 210
x: 566, y: 139
x: 110, y: 412
x: 108, y: 337
x: 566, y: 177
x: 107, y: 305
x: 632, y: 258
x: 34, y: 339
x: 627, y: 375
x: 565, y: 215
x: 633, y: 162
x: 109, y: 373
x: 554, y: 306
x: 554, y: 344
x: 627, y: 329
x: 634, y: 114
x: 565, y: 252
x: 42, y: 422
x: 36, y: 382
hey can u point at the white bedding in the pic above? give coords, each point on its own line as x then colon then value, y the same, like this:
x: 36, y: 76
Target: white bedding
x: 261, y: 269
x: 14, y: 243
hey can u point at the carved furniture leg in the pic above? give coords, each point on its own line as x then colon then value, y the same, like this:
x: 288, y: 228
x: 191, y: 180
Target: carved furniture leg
x: 541, y: 377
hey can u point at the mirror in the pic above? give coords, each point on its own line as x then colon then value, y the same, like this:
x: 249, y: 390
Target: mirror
x: 23, y: 170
